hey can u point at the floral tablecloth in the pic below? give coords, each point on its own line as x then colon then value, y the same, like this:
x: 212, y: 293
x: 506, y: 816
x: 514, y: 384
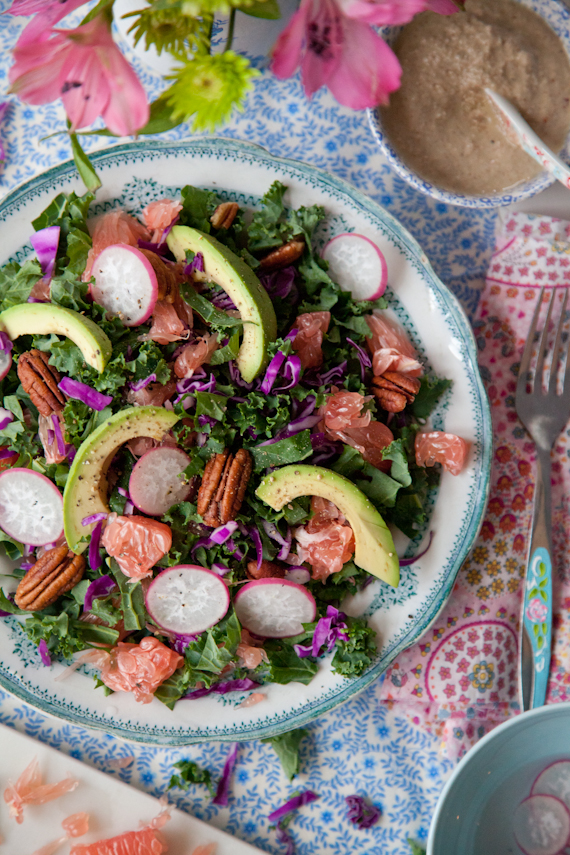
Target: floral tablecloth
x: 371, y: 745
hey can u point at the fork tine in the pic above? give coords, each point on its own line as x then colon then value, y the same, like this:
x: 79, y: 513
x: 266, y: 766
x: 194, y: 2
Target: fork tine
x: 559, y: 350
x: 539, y: 371
x: 527, y: 354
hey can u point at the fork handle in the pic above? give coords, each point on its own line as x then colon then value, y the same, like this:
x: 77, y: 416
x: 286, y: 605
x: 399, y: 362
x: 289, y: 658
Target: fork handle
x: 536, y: 622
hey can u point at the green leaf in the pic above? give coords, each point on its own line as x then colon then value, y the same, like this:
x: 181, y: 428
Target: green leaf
x: 353, y: 657
x: 286, y: 667
x: 83, y: 164
x: 16, y: 282
x: 216, y: 318
x: 268, y: 9
x: 416, y: 848
x: 190, y: 773
x: 540, y: 642
x: 160, y: 119
x: 284, y: 451
x: 210, y: 404
x: 7, y: 605
x: 286, y: 746
x: 197, y: 208
x: 205, y: 655
x: 399, y: 470
x: 224, y: 354
x: 13, y: 548
x: 431, y: 390
x: 132, y: 599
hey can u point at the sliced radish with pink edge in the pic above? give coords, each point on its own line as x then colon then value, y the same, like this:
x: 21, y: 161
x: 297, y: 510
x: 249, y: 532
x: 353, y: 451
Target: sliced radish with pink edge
x: 357, y: 265
x: 541, y: 825
x: 274, y: 608
x: 187, y: 599
x: 156, y: 483
x: 5, y: 363
x: 31, y: 507
x: 554, y: 781
x: 125, y: 284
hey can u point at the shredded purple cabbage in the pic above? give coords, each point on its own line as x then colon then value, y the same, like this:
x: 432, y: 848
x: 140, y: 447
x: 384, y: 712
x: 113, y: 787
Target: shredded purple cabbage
x: 220, y: 300
x: 44, y: 653
x: 94, y: 518
x: 83, y: 392
x: 292, y: 372
x: 223, y: 532
x: 5, y: 418
x: 315, y: 378
x: 234, y: 549
x: 361, y: 812
x: 280, y: 283
x: 256, y: 537
x: 11, y: 598
x: 236, y: 377
x: 295, y: 803
x: 6, y: 344
x: 303, y: 421
x: 272, y: 371
x: 283, y: 836
x: 181, y: 642
x: 272, y: 531
x: 327, y: 632
x: 168, y: 229
x: 100, y: 587
x: 363, y: 358
x: 142, y: 384
x: 222, y: 793
x: 195, y: 266
x: 206, y: 420
x: 6, y: 452
x: 324, y: 448
x: 404, y: 562
x: 58, y: 434
x: 94, y: 554
x: 45, y: 243
x: 219, y: 569
x: 159, y: 248
x: 71, y: 452
x: 27, y: 565
x: 242, y: 685
x: 196, y: 384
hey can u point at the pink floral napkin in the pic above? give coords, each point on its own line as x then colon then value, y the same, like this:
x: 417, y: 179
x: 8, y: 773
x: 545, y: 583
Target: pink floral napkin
x: 460, y: 679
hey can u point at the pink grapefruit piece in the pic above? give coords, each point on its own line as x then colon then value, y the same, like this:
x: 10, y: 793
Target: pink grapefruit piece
x: 358, y: 265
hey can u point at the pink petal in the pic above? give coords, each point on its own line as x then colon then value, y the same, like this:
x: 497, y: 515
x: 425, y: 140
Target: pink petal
x: 48, y: 14
x: 384, y: 12
x: 128, y: 109
x: 289, y: 45
x: 324, y: 45
x: 368, y: 71
x: 86, y: 92
x: 35, y: 75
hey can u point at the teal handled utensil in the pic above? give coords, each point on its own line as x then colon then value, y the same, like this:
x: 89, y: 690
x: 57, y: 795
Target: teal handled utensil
x: 544, y: 412
x: 523, y: 135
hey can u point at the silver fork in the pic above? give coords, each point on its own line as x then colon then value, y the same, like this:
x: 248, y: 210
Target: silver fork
x: 544, y: 415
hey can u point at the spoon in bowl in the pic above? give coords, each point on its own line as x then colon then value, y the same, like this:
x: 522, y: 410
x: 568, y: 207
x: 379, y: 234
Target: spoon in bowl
x: 521, y: 132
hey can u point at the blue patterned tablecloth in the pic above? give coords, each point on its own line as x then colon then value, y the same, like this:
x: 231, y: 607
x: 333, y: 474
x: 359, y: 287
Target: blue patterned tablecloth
x: 363, y: 747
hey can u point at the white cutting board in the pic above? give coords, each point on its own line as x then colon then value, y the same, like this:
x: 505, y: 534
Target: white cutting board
x: 114, y: 807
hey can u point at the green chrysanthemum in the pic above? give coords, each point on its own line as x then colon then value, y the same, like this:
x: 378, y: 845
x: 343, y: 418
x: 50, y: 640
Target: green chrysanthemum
x: 208, y: 87
x: 167, y: 29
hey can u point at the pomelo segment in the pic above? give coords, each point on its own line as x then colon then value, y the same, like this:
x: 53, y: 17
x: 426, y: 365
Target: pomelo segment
x: 125, y: 284
x: 541, y: 825
x: 274, y: 608
x: 440, y: 447
x: 156, y: 483
x: 187, y: 599
x: 31, y: 507
x: 357, y: 264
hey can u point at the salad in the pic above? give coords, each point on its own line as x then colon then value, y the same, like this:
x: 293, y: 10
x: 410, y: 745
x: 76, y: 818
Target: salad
x: 206, y: 443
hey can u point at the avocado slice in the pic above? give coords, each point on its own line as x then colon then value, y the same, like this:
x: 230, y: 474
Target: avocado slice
x: 375, y: 551
x: 240, y: 283
x: 86, y: 487
x: 46, y: 318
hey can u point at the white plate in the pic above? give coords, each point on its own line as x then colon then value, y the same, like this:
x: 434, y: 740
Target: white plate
x: 137, y: 173
x: 113, y: 806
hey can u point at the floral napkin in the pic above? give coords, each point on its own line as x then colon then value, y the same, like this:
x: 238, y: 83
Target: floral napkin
x: 460, y: 679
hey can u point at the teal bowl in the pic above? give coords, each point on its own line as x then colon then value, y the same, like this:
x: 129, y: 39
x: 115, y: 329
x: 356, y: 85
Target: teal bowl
x: 475, y: 809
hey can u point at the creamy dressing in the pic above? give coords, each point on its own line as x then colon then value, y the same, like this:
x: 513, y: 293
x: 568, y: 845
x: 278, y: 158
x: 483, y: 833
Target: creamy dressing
x: 442, y: 123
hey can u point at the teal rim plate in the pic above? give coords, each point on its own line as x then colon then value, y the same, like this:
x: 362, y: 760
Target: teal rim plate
x: 136, y: 173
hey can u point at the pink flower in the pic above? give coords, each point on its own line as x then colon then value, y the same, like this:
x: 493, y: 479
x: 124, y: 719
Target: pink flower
x: 536, y: 611
x: 48, y: 14
x: 335, y: 46
x: 85, y: 68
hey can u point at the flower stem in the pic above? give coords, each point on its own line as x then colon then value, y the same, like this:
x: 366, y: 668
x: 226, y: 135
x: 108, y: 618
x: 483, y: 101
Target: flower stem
x: 231, y: 25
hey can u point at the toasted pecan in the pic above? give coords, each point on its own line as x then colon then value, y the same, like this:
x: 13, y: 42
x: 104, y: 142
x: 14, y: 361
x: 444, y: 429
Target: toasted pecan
x: 395, y: 390
x: 223, y: 486
x: 283, y: 255
x: 267, y: 570
x: 55, y: 573
x: 224, y: 215
x: 40, y: 380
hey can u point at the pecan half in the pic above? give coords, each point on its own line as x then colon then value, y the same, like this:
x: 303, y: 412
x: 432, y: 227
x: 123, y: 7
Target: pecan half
x: 267, y: 570
x: 224, y: 215
x: 395, y: 390
x: 55, y: 573
x: 223, y: 486
x: 40, y: 380
x: 283, y: 255
x: 165, y: 276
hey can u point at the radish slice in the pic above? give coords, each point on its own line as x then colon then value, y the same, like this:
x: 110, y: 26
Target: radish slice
x: 125, y: 284
x: 357, y: 265
x: 274, y: 608
x: 31, y: 507
x: 554, y: 781
x: 5, y: 363
x: 541, y: 825
x: 155, y: 483
x: 187, y: 599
